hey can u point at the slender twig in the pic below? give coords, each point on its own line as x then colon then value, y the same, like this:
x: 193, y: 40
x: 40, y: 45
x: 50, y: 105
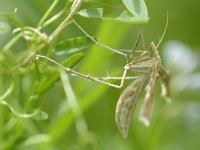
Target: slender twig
x: 74, y: 9
x: 51, y: 20
x: 12, y: 41
x: 48, y: 12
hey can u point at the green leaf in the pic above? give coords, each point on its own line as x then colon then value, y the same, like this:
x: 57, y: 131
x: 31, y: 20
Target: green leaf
x: 136, y: 7
x: 73, y: 45
x: 47, y: 82
x: 70, y: 95
x: 13, y: 19
x: 92, y: 12
x: 37, y: 139
x: 41, y: 116
x: 123, y: 17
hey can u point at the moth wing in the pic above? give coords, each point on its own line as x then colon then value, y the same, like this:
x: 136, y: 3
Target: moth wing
x: 165, y: 78
x: 147, y: 106
x: 126, y: 105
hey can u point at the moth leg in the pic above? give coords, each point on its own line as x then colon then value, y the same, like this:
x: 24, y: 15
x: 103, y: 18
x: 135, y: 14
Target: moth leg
x: 107, y: 83
x: 111, y: 84
x: 117, y: 78
x: 98, y: 43
x: 86, y: 76
x: 136, y: 43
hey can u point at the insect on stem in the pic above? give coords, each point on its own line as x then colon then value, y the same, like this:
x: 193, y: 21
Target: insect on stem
x: 146, y: 64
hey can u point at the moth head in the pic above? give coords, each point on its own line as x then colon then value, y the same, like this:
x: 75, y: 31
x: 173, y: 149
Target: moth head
x: 153, y: 48
x: 154, y: 52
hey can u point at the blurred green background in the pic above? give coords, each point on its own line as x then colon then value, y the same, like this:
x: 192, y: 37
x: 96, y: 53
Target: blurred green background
x: 174, y: 126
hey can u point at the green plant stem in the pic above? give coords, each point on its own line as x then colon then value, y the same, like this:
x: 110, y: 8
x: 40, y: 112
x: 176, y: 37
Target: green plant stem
x: 55, y: 17
x: 51, y: 20
x: 1, y: 115
x: 12, y: 42
x: 75, y: 6
x: 48, y: 13
x: 81, y: 125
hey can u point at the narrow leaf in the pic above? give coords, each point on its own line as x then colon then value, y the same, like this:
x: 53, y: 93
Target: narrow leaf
x: 81, y: 125
x: 73, y: 45
x: 37, y: 139
x: 47, y: 82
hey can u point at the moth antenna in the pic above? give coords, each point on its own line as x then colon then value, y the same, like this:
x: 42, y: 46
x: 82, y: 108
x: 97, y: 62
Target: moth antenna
x: 165, y: 29
x: 142, y: 37
x: 138, y: 38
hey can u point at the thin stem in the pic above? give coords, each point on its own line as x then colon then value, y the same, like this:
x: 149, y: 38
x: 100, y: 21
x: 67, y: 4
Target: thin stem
x: 48, y: 13
x: 31, y: 29
x: 12, y: 42
x: 55, y: 17
x: 74, y: 9
x: 52, y: 19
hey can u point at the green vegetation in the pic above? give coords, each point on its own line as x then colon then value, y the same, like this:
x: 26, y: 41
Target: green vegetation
x: 45, y: 106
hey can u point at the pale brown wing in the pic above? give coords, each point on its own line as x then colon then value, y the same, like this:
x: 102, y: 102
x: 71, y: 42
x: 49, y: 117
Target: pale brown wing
x: 165, y: 78
x: 126, y: 105
x: 147, y: 106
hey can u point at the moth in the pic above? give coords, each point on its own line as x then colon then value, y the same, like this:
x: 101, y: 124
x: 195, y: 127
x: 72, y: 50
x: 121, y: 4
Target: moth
x: 148, y: 66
